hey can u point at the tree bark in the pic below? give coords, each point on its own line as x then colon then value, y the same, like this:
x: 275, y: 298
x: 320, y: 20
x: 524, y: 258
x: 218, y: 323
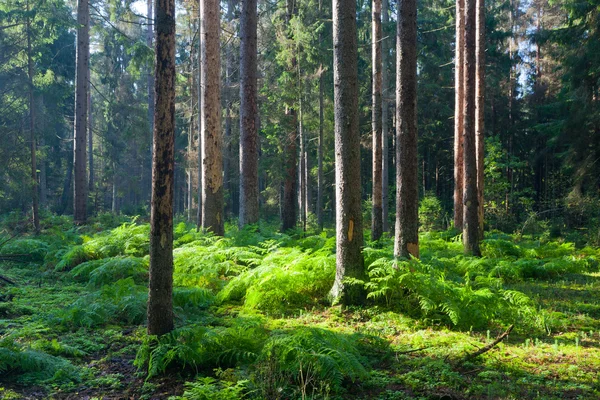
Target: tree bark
x: 376, y: 122
x: 480, y: 108
x: 302, y: 162
x: 200, y: 103
x: 248, y: 111
x: 470, y: 202
x: 407, y: 189
x: 91, y: 182
x: 150, y: 84
x: 160, y: 296
x: 384, y: 122
x: 212, y: 139
x: 459, y: 62
x: 349, y: 224
x: 33, y: 148
x: 288, y: 217
x: 319, y: 207
x: 81, y: 98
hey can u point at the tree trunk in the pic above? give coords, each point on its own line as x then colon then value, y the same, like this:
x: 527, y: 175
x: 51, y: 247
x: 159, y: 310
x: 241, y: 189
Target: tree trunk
x: 212, y: 139
x: 407, y: 186
x: 150, y: 84
x: 376, y: 217
x: 459, y: 62
x: 302, y: 164
x: 480, y: 108
x: 81, y: 98
x: 471, y: 207
x: 227, y: 148
x: 199, y: 89
x: 160, y: 296
x: 288, y: 220
x: 248, y: 112
x: 34, y: 183
x: 319, y: 207
x: 349, y: 224
x: 384, y: 122
x: 91, y: 182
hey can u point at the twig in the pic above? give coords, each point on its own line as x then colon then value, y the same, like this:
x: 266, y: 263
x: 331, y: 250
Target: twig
x: 411, y: 351
x: 5, y: 279
x: 485, y: 348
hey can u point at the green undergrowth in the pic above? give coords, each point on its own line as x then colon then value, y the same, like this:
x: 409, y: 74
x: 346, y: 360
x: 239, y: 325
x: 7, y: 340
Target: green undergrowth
x: 253, y: 318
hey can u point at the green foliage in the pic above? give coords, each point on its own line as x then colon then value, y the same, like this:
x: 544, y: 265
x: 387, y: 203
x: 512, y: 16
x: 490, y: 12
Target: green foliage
x: 33, y: 366
x: 198, y: 346
x: 32, y: 249
x: 431, y: 216
x: 120, y: 302
x: 207, y: 388
x: 120, y: 268
x: 315, y: 360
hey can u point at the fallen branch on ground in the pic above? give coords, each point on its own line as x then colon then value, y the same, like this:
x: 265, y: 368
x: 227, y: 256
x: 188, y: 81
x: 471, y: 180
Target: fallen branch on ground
x: 485, y: 348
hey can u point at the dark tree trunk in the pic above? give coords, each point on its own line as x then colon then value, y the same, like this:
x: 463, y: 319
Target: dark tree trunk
x: 91, y: 181
x: 248, y: 112
x: 160, y: 297
x: 407, y: 186
x: 459, y: 62
x: 150, y: 83
x: 384, y: 122
x: 480, y: 108
x: 319, y: 207
x: 81, y: 98
x: 376, y: 219
x: 212, y: 139
x: 199, y: 89
x: 471, y: 208
x: 349, y: 224
x: 35, y: 208
x: 302, y: 162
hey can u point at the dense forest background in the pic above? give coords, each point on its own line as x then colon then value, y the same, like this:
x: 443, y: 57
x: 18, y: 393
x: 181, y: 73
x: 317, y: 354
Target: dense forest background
x: 541, y: 107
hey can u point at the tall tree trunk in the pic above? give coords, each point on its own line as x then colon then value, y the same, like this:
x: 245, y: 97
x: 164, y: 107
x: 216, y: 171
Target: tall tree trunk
x: 91, y: 182
x: 288, y: 220
x: 200, y: 103
x: 480, y: 108
x: 349, y: 224
x: 319, y: 206
x: 150, y: 84
x: 407, y: 186
x: 33, y: 147
x: 160, y: 296
x: 212, y: 139
x: 376, y: 122
x: 227, y: 148
x: 81, y: 98
x: 459, y: 62
x: 471, y: 207
x: 385, y: 19
x: 302, y: 164
x: 248, y: 112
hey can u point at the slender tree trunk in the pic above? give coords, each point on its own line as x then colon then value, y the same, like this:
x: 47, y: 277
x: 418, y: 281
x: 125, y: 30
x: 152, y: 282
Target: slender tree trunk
x: 349, y: 224
x: 471, y: 206
x: 407, y: 176
x: 459, y: 62
x: 302, y: 163
x: 385, y: 19
x: 81, y: 98
x: 248, y: 112
x: 43, y: 178
x: 200, y: 103
x: 288, y: 220
x: 91, y: 181
x: 150, y: 84
x: 480, y: 108
x: 376, y: 122
x: 160, y: 296
x: 212, y: 139
x: 33, y: 147
x: 320, y: 183
x: 115, y: 194
x: 227, y: 148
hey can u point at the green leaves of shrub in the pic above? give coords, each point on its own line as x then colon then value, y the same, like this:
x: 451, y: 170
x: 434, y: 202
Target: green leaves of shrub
x: 32, y: 249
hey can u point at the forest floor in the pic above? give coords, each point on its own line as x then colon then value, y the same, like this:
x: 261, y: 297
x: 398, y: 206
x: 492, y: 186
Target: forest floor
x: 253, y: 319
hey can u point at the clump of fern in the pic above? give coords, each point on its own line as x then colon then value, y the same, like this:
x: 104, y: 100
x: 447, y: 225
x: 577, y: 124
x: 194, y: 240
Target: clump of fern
x: 286, y: 280
x: 308, y: 361
x: 30, y: 249
x: 199, y: 346
x: 27, y: 365
x: 121, y: 302
x: 207, y: 388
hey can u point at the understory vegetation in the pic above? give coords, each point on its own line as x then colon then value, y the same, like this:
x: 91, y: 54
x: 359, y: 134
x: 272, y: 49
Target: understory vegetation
x: 254, y: 318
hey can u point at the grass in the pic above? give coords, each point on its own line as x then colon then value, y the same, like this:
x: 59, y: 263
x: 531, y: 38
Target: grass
x: 253, y: 319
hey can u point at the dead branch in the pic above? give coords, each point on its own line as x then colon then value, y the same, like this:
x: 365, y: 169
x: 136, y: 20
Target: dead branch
x: 485, y: 348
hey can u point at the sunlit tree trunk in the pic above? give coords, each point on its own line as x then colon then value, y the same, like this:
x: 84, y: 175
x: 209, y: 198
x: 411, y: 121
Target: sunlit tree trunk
x: 376, y: 218
x: 160, y: 296
x: 212, y: 139
x: 407, y: 189
x: 82, y: 88
x: 471, y: 207
x: 459, y: 62
x: 248, y: 112
x: 480, y: 108
x: 384, y: 122
x: 150, y: 84
x: 349, y: 225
